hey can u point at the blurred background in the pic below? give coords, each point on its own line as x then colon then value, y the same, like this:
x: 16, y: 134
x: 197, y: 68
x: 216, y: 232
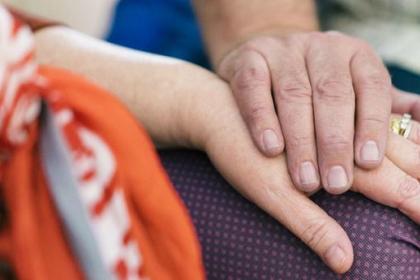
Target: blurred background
x: 169, y: 27
x: 91, y: 16
x: 166, y: 27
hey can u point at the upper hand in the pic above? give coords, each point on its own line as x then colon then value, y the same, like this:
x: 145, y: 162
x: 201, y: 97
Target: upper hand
x: 305, y: 91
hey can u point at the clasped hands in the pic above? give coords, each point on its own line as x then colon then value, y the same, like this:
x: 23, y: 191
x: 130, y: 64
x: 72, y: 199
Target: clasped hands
x: 326, y: 100
x: 181, y: 104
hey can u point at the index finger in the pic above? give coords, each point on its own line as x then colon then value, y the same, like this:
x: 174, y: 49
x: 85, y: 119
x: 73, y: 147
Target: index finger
x: 251, y: 86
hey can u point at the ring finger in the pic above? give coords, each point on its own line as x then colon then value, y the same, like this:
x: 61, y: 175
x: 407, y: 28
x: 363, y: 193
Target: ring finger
x: 405, y: 153
x: 334, y: 111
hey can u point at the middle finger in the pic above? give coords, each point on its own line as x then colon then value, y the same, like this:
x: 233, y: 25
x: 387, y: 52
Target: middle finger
x: 334, y: 111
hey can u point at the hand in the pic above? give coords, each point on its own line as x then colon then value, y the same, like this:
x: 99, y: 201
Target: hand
x: 304, y: 91
x: 201, y: 112
x: 266, y: 182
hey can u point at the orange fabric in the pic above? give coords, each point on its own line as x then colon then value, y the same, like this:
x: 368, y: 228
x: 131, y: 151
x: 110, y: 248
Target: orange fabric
x: 165, y: 233
x: 34, y: 241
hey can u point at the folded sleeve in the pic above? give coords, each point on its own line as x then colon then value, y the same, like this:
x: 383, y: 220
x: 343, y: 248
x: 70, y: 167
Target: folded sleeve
x: 34, y: 22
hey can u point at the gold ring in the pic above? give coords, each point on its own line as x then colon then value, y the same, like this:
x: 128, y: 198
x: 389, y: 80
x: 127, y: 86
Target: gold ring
x: 402, y: 126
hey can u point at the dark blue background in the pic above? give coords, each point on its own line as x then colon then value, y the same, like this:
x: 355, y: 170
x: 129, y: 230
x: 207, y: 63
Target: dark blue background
x: 168, y: 27
x: 165, y: 27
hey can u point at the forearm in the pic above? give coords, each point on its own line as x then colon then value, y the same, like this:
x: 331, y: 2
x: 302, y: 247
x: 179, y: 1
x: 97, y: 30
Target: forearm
x: 170, y: 98
x: 157, y: 90
x: 225, y: 23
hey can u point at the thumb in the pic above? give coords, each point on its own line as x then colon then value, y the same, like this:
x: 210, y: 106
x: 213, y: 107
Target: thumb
x: 313, y: 226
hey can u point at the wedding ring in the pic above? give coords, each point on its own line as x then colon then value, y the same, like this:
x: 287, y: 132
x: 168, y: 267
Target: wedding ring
x: 402, y: 126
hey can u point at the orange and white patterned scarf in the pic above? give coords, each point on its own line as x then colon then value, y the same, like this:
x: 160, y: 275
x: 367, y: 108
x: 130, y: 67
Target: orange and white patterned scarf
x: 139, y: 226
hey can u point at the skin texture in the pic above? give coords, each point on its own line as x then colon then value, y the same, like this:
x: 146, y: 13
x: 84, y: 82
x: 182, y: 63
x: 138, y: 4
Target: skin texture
x: 301, y: 89
x: 405, y: 102
x: 228, y: 23
x: 201, y: 113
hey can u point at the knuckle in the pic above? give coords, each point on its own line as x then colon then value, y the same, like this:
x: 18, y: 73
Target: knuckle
x: 335, y: 142
x: 260, y: 44
x: 339, y: 37
x: 295, y: 39
x: 334, y: 89
x: 256, y: 114
x: 317, y: 36
x: 377, y: 82
x: 375, y: 121
x: 270, y: 195
x: 331, y: 38
x: 294, y: 90
x: 250, y: 46
x: 250, y: 78
x: 407, y: 189
x: 315, y: 232
x: 299, y: 141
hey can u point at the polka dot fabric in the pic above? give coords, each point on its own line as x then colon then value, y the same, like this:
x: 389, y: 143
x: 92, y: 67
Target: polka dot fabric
x: 239, y: 241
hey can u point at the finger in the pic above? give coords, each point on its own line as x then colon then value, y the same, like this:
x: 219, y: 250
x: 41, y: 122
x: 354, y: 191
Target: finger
x: 405, y: 153
x: 334, y: 108
x: 293, y: 97
x: 405, y: 102
x: 414, y: 135
x: 251, y: 86
x: 266, y: 183
x: 390, y: 186
x: 372, y: 86
x: 312, y: 225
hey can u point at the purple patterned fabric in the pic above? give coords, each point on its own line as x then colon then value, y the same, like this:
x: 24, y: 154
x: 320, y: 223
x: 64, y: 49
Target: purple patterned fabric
x: 239, y: 241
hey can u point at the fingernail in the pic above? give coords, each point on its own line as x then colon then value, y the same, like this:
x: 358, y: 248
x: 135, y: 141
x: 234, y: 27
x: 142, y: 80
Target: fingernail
x: 335, y: 256
x: 270, y: 140
x: 308, y: 175
x: 337, y: 178
x: 370, y: 151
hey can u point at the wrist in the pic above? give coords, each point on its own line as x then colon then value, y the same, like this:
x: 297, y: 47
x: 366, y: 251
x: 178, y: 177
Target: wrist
x: 156, y: 89
x: 227, y: 23
x: 222, y: 49
x: 203, y: 106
